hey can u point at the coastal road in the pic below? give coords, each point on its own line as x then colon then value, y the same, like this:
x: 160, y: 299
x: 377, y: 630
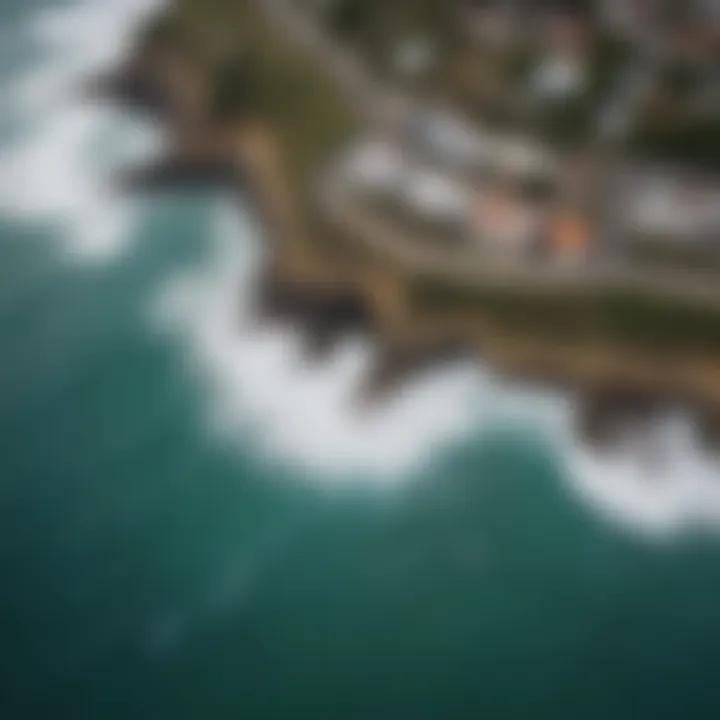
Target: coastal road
x: 467, y: 268
x: 403, y: 248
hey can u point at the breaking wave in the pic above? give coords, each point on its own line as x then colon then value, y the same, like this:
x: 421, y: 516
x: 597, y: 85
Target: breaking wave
x: 261, y: 382
x: 54, y: 173
x: 674, y: 489
x: 55, y: 170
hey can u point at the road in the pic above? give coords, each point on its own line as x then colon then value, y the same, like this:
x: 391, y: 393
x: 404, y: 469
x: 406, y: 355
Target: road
x: 367, y: 96
x: 398, y: 245
x: 469, y: 267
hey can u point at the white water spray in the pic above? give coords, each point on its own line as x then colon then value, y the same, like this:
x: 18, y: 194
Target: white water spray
x: 259, y: 384
x: 58, y: 169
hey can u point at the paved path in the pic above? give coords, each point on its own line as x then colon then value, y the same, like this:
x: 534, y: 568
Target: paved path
x: 473, y: 269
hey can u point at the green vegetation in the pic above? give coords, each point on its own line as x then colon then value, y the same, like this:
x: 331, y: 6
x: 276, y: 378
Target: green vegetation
x: 693, y: 141
x: 254, y: 72
x: 370, y: 23
x: 625, y: 318
x: 160, y: 32
x: 347, y: 19
x: 375, y: 27
x: 237, y: 89
x: 703, y: 258
x: 671, y: 129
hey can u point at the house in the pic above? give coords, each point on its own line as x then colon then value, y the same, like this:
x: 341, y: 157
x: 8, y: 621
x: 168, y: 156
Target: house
x: 672, y: 207
x: 569, y: 235
x: 521, y: 157
x: 375, y: 165
x: 435, y: 196
x: 453, y: 142
x: 449, y: 139
x: 562, y: 72
x: 558, y: 76
x: 503, y: 223
x: 413, y: 57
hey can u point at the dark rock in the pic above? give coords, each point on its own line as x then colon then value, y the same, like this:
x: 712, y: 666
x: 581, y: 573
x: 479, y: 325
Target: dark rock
x: 397, y: 364
x: 133, y: 87
x: 708, y: 427
x: 179, y: 172
x: 606, y: 414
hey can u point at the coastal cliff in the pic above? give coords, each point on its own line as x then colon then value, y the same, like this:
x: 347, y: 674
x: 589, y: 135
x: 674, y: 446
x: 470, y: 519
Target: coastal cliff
x: 321, y: 275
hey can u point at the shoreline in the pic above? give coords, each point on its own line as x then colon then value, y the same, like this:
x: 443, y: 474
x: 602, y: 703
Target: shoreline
x: 332, y: 289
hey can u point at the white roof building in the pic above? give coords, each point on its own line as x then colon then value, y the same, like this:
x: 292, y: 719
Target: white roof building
x: 452, y: 139
x: 666, y: 207
x: 414, y: 56
x: 522, y: 157
x: 381, y: 167
x: 505, y: 223
x: 375, y: 165
x: 434, y: 195
x: 558, y: 77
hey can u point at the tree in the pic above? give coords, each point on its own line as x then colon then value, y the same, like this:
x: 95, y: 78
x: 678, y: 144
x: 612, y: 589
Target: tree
x: 237, y: 88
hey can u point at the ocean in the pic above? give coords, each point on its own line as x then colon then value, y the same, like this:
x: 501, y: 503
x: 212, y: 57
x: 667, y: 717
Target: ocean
x: 196, y: 522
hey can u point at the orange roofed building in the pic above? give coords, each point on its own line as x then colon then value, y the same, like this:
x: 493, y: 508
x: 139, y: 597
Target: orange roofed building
x: 505, y: 223
x: 570, y: 235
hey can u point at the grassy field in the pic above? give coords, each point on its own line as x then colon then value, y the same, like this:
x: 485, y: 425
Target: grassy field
x: 256, y: 73
x: 624, y: 318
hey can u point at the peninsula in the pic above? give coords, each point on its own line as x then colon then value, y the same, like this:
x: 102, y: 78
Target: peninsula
x: 534, y: 184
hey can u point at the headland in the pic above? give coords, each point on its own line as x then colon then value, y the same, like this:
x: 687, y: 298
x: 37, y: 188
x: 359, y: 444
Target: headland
x: 507, y: 248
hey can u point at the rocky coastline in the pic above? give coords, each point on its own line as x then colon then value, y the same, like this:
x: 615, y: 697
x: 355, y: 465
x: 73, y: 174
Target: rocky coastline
x: 333, y: 290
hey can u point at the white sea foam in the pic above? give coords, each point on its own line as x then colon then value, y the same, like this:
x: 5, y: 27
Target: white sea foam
x: 663, y: 486
x: 300, y: 412
x: 57, y: 170
x: 257, y: 377
x: 304, y: 414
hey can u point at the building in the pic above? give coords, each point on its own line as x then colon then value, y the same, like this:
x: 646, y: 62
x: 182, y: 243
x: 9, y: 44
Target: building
x: 558, y: 76
x: 565, y: 44
x: 504, y: 224
x: 413, y: 57
x: 521, y: 157
x: 569, y: 235
x: 672, y: 207
x: 375, y: 165
x: 435, y: 196
x: 450, y: 140
x: 380, y: 168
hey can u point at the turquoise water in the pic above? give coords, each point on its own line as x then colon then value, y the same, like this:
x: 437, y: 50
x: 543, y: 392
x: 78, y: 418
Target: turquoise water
x: 192, y: 531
